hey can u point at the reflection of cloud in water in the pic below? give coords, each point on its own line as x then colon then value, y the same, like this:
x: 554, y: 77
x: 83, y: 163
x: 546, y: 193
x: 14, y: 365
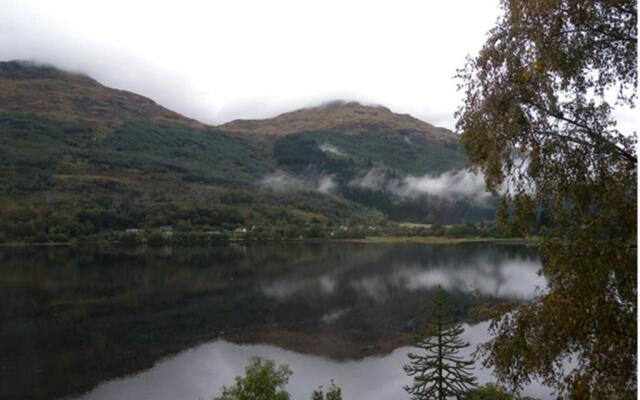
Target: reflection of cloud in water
x: 374, y: 287
x: 332, y: 317
x: 328, y: 284
x: 514, y: 278
x: 200, y: 373
x: 285, y: 288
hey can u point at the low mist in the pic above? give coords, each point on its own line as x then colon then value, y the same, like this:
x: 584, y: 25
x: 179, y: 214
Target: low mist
x: 284, y: 183
x: 451, y: 185
x: 328, y: 148
x: 448, y: 186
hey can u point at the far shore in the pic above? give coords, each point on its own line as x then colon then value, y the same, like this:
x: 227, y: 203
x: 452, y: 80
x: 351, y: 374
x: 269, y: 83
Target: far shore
x: 442, y: 240
x: 368, y: 240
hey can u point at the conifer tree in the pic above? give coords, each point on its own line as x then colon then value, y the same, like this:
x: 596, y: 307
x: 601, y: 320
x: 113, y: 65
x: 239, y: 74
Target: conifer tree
x: 439, y: 372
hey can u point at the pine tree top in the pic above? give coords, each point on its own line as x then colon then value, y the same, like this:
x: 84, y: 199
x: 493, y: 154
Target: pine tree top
x: 438, y: 370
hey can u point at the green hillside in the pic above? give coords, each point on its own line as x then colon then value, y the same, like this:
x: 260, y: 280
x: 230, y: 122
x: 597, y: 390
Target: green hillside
x: 63, y: 175
x: 408, y: 153
x: 144, y: 175
x: 392, y: 157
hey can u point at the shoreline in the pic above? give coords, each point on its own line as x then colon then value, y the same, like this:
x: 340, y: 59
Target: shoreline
x: 441, y: 240
x: 367, y: 240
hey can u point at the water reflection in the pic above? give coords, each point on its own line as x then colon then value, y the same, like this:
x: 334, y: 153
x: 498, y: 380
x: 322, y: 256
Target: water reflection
x: 516, y: 278
x: 71, y: 318
x: 511, y: 277
x: 201, y: 372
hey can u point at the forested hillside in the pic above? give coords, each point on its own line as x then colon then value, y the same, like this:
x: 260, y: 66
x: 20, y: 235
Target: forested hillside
x: 78, y: 159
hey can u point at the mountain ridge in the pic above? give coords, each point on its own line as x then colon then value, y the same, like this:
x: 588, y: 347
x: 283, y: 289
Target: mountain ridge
x: 49, y: 91
x: 339, y: 115
x: 27, y: 87
x: 78, y: 159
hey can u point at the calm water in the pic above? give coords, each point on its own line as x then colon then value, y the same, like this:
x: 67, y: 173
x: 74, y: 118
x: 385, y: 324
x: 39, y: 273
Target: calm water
x: 178, y: 323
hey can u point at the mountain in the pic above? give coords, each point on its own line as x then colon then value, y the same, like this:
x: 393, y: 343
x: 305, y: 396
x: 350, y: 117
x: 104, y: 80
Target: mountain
x: 342, y: 116
x: 81, y: 159
x: 56, y: 94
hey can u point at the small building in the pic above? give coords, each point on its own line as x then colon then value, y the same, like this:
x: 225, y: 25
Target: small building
x: 168, y: 229
x: 135, y: 231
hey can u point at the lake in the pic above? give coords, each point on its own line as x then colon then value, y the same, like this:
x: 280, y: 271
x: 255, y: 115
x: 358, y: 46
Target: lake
x: 143, y: 322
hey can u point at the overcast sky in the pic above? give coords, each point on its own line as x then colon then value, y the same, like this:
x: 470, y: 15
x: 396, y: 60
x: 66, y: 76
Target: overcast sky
x: 221, y: 60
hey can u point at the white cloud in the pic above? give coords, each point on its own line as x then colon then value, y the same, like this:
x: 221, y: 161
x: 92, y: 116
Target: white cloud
x: 462, y: 184
x: 327, y: 184
x: 373, y: 179
x: 222, y: 60
x: 459, y: 184
x: 281, y: 182
x: 331, y: 149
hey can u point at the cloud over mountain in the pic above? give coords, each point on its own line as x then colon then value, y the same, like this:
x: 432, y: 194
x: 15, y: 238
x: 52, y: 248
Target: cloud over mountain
x: 450, y: 185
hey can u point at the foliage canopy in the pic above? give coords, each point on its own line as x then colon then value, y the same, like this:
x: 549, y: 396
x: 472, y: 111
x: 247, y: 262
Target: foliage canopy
x: 262, y: 381
x: 537, y: 121
x: 334, y: 393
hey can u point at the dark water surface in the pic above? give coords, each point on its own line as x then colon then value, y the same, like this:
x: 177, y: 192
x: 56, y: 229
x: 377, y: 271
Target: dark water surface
x: 185, y: 319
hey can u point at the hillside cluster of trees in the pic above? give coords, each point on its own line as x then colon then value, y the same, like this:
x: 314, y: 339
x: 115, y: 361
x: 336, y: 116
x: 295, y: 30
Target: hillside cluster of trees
x: 59, y: 169
x: 169, y: 223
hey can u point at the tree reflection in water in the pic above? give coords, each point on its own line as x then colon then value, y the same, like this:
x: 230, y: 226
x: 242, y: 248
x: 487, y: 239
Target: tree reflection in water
x: 71, y: 318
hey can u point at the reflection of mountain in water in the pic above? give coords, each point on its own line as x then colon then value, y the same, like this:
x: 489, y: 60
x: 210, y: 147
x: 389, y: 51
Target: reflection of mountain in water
x: 200, y: 373
x: 487, y: 273
x: 70, y: 318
